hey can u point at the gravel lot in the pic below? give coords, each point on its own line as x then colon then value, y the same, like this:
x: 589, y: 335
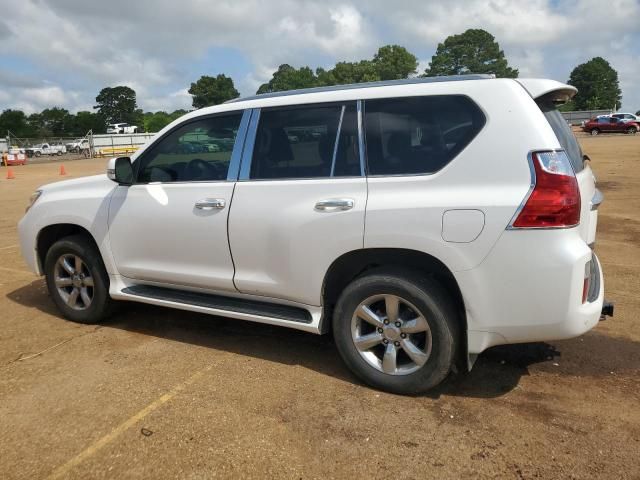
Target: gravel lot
x: 169, y: 394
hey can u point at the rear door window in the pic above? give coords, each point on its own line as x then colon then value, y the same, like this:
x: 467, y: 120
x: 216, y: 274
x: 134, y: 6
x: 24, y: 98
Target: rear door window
x: 418, y: 135
x: 564, y: 134
x: 310, y: 141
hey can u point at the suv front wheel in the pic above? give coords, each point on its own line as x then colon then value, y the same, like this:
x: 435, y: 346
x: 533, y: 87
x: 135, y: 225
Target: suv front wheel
x: 397, y: 331
x: 77, y: 280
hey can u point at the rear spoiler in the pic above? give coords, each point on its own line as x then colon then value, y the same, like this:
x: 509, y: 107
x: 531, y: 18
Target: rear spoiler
x: 551, y: 90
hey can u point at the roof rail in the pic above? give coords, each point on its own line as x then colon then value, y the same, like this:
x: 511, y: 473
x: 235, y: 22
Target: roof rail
x: 351, y: 86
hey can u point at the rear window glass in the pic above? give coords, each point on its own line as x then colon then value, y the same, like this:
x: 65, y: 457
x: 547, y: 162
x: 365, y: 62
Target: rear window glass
x: 418, y: 135
x: 565, y: 136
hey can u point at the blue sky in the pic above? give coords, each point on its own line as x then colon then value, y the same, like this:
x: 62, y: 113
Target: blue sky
x: 62, y: 52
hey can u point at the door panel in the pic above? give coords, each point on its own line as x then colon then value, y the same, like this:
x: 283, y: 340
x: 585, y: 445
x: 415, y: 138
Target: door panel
x: 285, y: 232
x: 171, y: 226
x: 282, y: 244
x: 158, y: 234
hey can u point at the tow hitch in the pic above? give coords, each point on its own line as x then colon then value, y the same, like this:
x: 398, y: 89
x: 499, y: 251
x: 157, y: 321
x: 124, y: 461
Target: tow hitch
x: 607, y: 310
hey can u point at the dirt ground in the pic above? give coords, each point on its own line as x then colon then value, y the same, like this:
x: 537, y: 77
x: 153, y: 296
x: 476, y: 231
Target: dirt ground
x: 168, y: 394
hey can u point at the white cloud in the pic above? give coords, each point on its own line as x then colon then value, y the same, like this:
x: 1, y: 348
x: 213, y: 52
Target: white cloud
x: 81, y: 47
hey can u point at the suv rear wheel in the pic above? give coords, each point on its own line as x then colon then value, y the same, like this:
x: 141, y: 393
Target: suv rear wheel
x: 595, y: 131
x: 77, y: 280
x: 397, y: 331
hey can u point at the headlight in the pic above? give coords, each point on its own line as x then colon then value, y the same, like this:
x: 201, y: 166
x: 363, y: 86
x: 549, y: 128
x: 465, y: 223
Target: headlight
x: 32, y: 199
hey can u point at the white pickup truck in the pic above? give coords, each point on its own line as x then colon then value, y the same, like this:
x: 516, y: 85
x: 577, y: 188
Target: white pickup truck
x: 121, y: 128
x: 45, y: 149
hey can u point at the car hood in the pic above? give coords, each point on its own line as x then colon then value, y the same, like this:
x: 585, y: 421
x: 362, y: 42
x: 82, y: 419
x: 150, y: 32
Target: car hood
x: 93, y: 182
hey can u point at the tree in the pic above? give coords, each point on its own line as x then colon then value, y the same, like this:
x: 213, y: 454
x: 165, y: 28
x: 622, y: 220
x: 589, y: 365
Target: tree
x: 15, y: 121
x: 156, y: 121
x: 118, y: 104
x: 85, y: 121
x: 474, y: 51
x: 348, y: 72
x: 209, y: 91
x: 597, y: 84
x: 289, y: 78
x: 58, y: 121
x: 393, y: 62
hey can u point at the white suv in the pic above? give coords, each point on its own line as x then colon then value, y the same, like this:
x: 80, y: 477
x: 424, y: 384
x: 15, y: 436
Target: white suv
x: 422, y: 221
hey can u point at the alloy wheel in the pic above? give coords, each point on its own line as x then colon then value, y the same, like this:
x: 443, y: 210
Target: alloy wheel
x: 391, y: 334
x: 74, y: 282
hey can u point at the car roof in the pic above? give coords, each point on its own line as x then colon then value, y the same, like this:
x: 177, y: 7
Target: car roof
x: 355, y: 86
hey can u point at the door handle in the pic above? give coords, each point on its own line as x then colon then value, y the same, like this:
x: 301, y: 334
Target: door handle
x: 210, y: 204
x: 334, y: 204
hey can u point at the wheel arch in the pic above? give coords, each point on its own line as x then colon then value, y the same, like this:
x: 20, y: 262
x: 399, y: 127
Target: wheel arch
x: 354, y: 263
x: 50, y: 234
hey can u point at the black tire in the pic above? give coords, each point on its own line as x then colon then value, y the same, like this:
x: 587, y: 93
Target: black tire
x: 59, y: 153
x: 102, y: 305
x: 433, y: 303
x: 595, y: 131
x: 38, y: 154
x: 632, y: 130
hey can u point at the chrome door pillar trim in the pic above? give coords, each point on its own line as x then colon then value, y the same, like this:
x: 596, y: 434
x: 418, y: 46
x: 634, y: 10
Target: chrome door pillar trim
x: 238, y: 147
x: 250, y: 141
x: 337, y: 142
x: 360, y: 108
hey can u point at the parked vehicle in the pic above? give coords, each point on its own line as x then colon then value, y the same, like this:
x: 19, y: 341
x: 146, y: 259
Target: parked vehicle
x: 45, y: 149
x: 78, y: 145
x: 599, y: 125
x: 421, y: 221
x: 121, y: 128
x: 626, y: 117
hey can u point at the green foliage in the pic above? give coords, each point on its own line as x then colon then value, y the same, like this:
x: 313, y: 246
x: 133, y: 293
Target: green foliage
x: 16, y: 121
x: 118, y: 104
x: 597, y: 84
x: 393, y: 62
x: 209, y: 91
x: 156, y: 121
x: 348, y: 72
x: 85, y: 121
x: 289, y: 78
x: 474, y: 51
x: 570, y: 106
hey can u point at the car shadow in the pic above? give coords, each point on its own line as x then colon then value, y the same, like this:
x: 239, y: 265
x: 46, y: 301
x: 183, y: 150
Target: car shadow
x: 496, y: 372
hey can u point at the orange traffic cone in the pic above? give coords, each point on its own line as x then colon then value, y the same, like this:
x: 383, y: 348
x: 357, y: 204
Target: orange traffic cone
x: 62, y: 170
x: 10, y: 175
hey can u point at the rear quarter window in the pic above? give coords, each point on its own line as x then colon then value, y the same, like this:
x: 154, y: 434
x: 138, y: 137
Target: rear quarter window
x: 564, y: 134
x: 418, y: 135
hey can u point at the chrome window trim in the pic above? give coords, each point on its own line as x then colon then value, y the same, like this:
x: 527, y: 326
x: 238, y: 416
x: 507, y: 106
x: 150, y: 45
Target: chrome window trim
x: 337, y: 141
x: 361, y: 151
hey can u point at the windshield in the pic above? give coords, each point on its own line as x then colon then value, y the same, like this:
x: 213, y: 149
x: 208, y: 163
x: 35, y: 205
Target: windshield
x: 564, y: 134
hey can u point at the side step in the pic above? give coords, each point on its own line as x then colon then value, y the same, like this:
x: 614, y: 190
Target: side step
x: 219, y: 302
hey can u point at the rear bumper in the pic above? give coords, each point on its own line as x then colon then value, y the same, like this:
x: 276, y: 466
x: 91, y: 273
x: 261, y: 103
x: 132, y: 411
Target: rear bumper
x: 529, y: 288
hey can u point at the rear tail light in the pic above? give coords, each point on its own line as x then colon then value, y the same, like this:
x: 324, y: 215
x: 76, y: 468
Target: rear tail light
x: 554, y: 201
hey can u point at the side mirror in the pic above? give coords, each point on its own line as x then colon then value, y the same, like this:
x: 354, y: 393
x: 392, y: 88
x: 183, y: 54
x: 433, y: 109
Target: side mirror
x: 120, y: 170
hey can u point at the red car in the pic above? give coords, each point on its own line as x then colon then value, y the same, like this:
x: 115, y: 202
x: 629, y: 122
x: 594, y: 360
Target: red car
x: 599, y: 125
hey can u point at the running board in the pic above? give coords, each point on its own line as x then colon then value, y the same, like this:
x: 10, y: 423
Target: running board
x: 221, y: 303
